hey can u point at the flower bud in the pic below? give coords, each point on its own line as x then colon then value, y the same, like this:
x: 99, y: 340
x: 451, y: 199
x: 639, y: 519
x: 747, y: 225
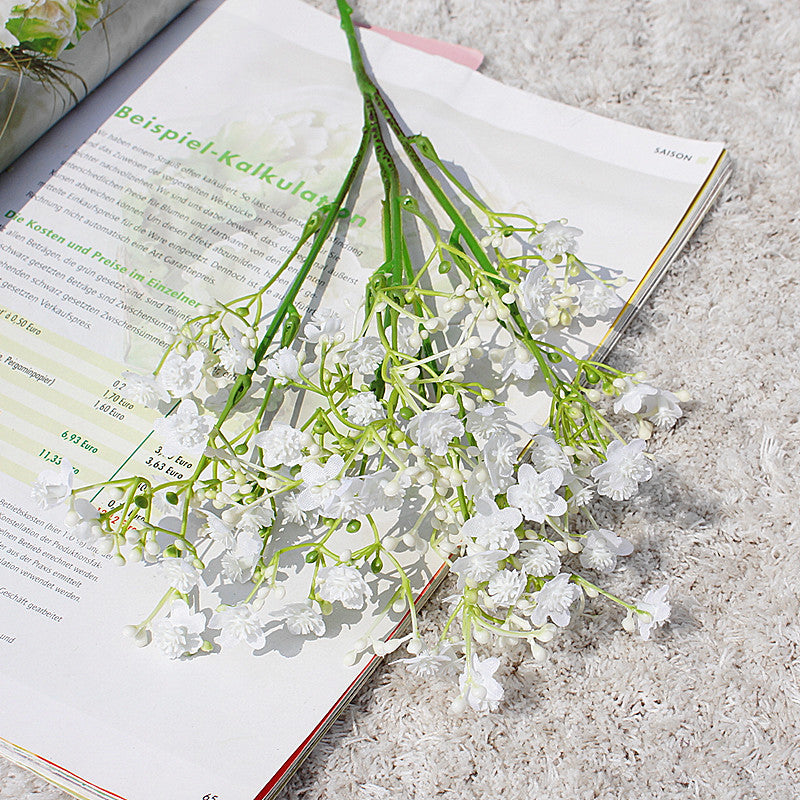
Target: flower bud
x: 142, y: 638
x: 458, y: 706
x: 544, y: 634
x: 629, y: 624
x: 537, y: 651
x: 481, y: 636
x: 645, y: 430
x: 414, y: 647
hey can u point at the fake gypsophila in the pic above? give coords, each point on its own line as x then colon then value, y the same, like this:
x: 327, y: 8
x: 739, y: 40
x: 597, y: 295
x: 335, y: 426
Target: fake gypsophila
x: 395, y: 416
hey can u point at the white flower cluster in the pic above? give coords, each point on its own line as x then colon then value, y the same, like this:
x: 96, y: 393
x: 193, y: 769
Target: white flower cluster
x: 504, y: 520
x: 302, y: 439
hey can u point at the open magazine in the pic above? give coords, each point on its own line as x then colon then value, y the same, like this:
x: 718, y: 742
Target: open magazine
x: 191, y: 192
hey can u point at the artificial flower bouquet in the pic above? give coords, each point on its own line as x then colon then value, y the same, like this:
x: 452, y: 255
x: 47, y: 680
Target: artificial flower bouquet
x: 341, y: 452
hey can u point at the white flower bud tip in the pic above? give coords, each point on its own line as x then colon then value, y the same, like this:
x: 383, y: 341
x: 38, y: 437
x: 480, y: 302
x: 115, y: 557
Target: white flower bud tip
x: 142, y: 638
x: 458, y: 706
x: 538, y: 652
x: 409, y: 540
x: 481, y: 636
x: 414, y: 647
x: 544, y: 635
x: 399, y: 605
x: 573, y: 546
x: 479, y: 692
x: 350, y: 658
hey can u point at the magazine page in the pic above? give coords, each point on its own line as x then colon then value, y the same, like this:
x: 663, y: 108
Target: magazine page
x: 189, y: 194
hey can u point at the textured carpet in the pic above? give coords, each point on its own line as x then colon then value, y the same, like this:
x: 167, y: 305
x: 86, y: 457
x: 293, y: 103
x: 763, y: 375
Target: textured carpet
x: 710, y: 707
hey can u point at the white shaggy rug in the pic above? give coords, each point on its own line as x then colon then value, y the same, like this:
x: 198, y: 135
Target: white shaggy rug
x: 710, y: 707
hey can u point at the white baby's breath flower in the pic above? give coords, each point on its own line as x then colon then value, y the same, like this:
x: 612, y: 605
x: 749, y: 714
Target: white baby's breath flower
x: 536, y: 292
x: 180, y: 376
x: 545, y: 452
x: 656, y: 611
x: 540, y: 559
x: 282, y: 444
x: 320, y: 482
x: 535, y: 493
x: 239, y: 562
x: 512, y: 365
x: 486, y: 421
x: 363, y: 408
x: 283, y: 366
x: 659, y: 405
x: 506, y: 586
x: 427, y: 663
x: 581, y: 490
x: 343, y: 583
x: 597, y: 299
x: 500, y: 455
x: 302, y: 619
x: 663, y: 409
x: 435, y: 430
x: 480, y: 689
x: 52, y: 488
x: 144, y: 389
x: 477, y: 568
x: 239, y: 624
x: 184, y: 431
x: 601, y: 548
x: 219, y: 531
x: 633, y: 396
x: 556, y: 239
x: 180, y: 574
x: 626, y: 467
x: 324, y: 328
x: 255, y: 517
x: 492, y: 528
x: 553, y: 600
x: 83, y: 521
x: 366, y: 355
x: 236, y: 357
x: 180, y: 632
x: 345, y: 501
x: 293, y: 513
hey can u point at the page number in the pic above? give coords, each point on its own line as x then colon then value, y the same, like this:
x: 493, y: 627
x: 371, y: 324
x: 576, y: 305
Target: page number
x: 210, y: 797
